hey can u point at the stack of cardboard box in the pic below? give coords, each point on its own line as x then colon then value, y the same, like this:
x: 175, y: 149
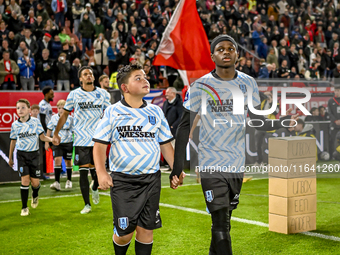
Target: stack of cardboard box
x: 292, y: 184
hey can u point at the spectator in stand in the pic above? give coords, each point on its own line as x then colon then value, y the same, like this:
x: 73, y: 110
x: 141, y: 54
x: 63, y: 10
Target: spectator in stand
x: 3, y: 30
x: 336, y: 73
x: 86, y: 30
x: 335, y: 39
x: 44, y: 43
x: 257, y: 37
x: 75, y: 51
x: 293, y: 56
x: 284, y: 71
x: 37, y: 28
x: 5, y: 47
x: 74, y: 80
x: 302, y: 61
x: 56, y: 47
x: 27, y: 68
x: 327, y: 64
x: 30, y: 43
x: 45, y: 70
x: 323, y: 114
x: 150, y: 74
x: 41, y: 11
x: 77, y: 10
x: 132, y: 40
x: 273, y: 72
x: 292, y: 73
x: 8, y: 72
x: 64, y: 37
x: 263, y: 48
x: 242, y: 65
x: 139, y: 56
x: 98, y: 28
x: 123, y: 56
x: 100, y: 46
x: 252, y: 72
x: 263, y: 72
x: 14, y: 23
x: 59, y: 7
x: 334, y: 114
x: 313, y: 72
x: 112, y: 53
x: 15, y: 7
x: 271, y: 58
x: 90, y: 14
x: 63, y: 76
x: 315, y: 115
x: 283, y: 57
x: 96, y: 70
x: 67, y: 50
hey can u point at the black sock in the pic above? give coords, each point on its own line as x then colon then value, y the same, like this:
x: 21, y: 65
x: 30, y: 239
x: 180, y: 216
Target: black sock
x: 35, y: 191
x: 24, y: 195
x: 120, y: 249
x: 94, y: 178
x: 69, y: 173
x: 57, y: 171
x: 143, y: 248
x: 84, y: 184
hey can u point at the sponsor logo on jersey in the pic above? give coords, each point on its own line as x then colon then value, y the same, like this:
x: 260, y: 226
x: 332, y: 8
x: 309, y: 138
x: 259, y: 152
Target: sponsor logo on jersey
x: 26, y: 134
x: 152, y: 120
x: 88, y: 105
x: 133, y: 131
x: 123, y: 223
x: 209, y: 195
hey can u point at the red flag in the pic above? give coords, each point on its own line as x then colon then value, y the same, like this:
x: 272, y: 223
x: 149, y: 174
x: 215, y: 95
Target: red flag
x: 184, y: 45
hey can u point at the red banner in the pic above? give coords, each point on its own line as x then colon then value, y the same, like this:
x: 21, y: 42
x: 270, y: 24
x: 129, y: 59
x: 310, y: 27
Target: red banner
x: 8, y: 110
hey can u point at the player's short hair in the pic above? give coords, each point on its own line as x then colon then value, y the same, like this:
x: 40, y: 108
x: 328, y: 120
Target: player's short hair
x: 61, y: 102
x: 46, y: 90
x: 104, y: 76
x: 35, y: 106
x: 124, y: 74
x: 25, y: 101
x: 300, y: 121
x: 82, y: 69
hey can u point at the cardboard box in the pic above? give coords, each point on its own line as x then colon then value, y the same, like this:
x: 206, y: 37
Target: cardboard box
x: 292, y: 187
x: 292, y: 206
x: 291, y: 168
x: 292, y: 147
x: 292, y: 224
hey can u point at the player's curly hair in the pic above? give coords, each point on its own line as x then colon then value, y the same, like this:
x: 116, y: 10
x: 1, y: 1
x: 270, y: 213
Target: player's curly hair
x: 124, y: 74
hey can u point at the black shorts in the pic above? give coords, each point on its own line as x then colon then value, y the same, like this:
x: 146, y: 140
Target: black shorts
x: 63, y: 150
x: 28, y: 163
x: 83, y: 156
x: 222, y: 191
x: 135, y: 202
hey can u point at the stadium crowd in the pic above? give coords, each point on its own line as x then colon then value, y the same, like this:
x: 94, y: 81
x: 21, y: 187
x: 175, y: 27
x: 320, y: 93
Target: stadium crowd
x: 46, y: 42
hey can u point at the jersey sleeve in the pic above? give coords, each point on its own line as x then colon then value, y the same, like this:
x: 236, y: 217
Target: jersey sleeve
x: 164, y: 135
x: 13, y: 135
x: 40, y: 129
x: 50, y: 125
x: 43, y: 108
x: 103, y: 133
x: 256, y: 95
x: 193, y: 98
x: 69, y: 102
x: 107, y: 101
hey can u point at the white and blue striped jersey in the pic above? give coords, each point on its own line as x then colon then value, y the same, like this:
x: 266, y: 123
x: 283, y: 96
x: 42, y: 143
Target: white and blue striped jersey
x: 46, y: 108
x: 65, y: 132
x: 88, y: 108
x: 222, y: 134
x: 135, y: 135
x: 27, y: 134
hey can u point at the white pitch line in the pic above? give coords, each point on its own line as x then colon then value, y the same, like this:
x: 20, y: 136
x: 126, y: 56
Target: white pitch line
x: 251, y: 222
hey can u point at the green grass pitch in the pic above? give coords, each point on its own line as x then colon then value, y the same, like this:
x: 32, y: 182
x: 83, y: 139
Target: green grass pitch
x: 57, y: 227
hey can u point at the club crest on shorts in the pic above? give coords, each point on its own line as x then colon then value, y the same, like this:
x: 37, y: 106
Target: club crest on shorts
x: 77, y: 157
x: 152, y: 120
x: 123, y: 223
x: 209, y: 196
x: 21, y: 169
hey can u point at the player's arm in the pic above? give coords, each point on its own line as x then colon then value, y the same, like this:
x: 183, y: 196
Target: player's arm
x: 43, y: 121
x: 99, y: 157
x: 48, y: 134
x: 11, y: 150
x: 62, y: 120
x: 194, y: 125
x: 45, y: 138
x: 182, y: 137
